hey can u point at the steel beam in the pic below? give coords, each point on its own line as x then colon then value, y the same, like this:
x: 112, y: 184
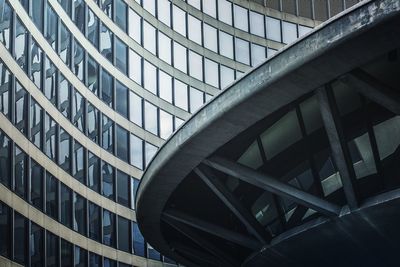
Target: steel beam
x: 340, y: 153
x: 272, y: 185
x: 232, y: 203
x: 373, y: 89
x: 213, y: 229
x: 225, y: 259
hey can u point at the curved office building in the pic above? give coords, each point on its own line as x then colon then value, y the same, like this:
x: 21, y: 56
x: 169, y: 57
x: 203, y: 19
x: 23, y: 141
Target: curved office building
x: 294, y: 164
x: 89, y: 90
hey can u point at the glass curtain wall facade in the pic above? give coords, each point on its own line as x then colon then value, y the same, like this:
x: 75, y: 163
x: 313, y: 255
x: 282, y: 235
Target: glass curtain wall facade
x: 90, y: 89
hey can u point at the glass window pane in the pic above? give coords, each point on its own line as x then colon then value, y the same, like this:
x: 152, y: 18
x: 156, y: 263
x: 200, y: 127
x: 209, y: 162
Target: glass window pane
x: 164, y: 12
x: 211, y: 72
x: 196, y: 99
x: 210, y: 8
x: 150, y: 6
x: 93, y: 123
x: 36, y: 245
x: 50, y: 82
x: 135, y: 67
x: 257, y: 23
x: 5, y: 21
x: 93, y: 28
x: 106, y: 37
x: 79, y: 162
x: 108, y: 228
x: 107, y: 7
x: 108, y: 180
x: 136, y: 151
x: 5, y: 159
x: 21, y: 108
x: 165, y: 86
x: 123, y: 234
x: 5, y: 78
x: 107, y: 88
x: 122, y: 143
x: 94, y: 221
x: 194, y: 29
x: 273, y: 28
x: 79, y: 214
x: 36, y: 64
x: 93, y: 172
x: 66, y: 253
x: 65, y: 44
x: 226, y: 44
x: 20, y: 175
x: 51, y: 26
x: 36, y: 185
x: 80, y: 257
x: 138, y: 240
x: 178, y: 121
x: 240, y: 18
x: 78, y: 111
x: 180, y: 57
x: 166, y: 124
x: 289, y: 32
x: 181, y: 95
x: 51, y: 196
x: 50, y: 137
x: 66, y: 205
x: 135, y: 108
x: 121, y: 97
x: 150, y: 118
x: 109, y: 262
x: 120, y: 14
x: 195, y: 3
x: 149, y: 37
x: 150, y: 77
x: 270, y: 52
x: 135, y: 26
x: 304, y: 30
x: 227, y: 76
x: 152, y: 253
x: 108, y: 136
x: 20, y: 238
x: 179, y: 20
x: 121, y: 60
x: 64, y: 92
x: 195, y: 65
x: 79, y: 18
x: 257, y: 54
x: 225, y: 11
x: 134, y: 186
x: 36, y: 123
x: 164, y: 47
x: 79, y: 61
x: 93, y: 75
x: 150, y: 152
x: 51, y: 250
x: 123, y: 188
x: 210, y: 37
x: 64, y: 160
x: 242, y: 52
x: 94, y: 260
x: 20, y: 47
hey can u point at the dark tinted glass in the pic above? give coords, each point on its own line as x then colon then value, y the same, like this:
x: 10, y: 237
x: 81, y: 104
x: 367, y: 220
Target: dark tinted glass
x: 36, y: 64
x: 107, y: 88
x: 5, y: 159
x: 5, y: 21
x: 108, y: 180
x: 122, y: 143
x: 123, y: 234
x: 36, y: 123
x: 93, y: 122
x: 138, y: 240
x: 51, y: 26
x: 51, y: 250
x: 79, y: 61
x: 64, y: 92
x: 92, y: 79
x: 121, y: 57
x: 21, y: 108
x: 94, y: 172
x: 51, y: 196
x: 64, y: 159
x: 123, y: 188
x: 79, y: 18
x: 65, y: 45
x: 94, y: 260
x: 66, y: 206
x: 20, y: 47
x: 36, y: 246
x: 20, y: 238
x: 20, y: 165
x: 66, y: 253
x: 120, y: 14
x: 106, y: 38
x: 108, y: 135
x: 109, y: 263
x: 93, y: 28
x: 37, y: 14
x: 108, y: 228
x: 36, y: 185
x: 50, y: 82
x: 50, y: 129
x: 79, y: 214
x: 5, y: 81
x: 78, y: 164
x: 5, y: 230
x: 94, y: 221
x: 78, y: 110
x: 121, y: 99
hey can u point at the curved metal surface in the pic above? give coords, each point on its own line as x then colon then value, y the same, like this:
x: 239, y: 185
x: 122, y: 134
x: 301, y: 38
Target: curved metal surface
x: 334, y: 48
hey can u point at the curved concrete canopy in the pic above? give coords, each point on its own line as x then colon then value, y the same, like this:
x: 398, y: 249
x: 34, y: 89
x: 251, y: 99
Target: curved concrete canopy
x: 341, y: 44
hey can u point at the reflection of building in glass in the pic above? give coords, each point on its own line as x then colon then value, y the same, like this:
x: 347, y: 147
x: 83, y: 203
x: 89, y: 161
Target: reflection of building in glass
x: 89, y: 90
x: 294, y: 164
